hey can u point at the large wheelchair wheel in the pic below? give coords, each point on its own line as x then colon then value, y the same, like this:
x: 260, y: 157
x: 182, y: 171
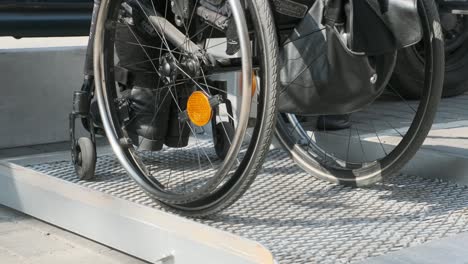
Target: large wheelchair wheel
x: 190, y: 80
x: 379, y: 139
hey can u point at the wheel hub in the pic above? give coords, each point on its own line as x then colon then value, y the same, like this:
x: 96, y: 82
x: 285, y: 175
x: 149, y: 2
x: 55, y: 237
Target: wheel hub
x: 168, y: 66
x: 454, y: 28
x: 448, y: 21
x: 186, y: 65
x: 191, y: 65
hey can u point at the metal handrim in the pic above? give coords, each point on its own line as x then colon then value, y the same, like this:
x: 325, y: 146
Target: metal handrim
x: 129, y: 162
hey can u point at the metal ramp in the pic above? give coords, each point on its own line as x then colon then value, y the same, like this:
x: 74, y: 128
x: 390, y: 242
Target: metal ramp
x: 287, y: 216
x: 297, y: 218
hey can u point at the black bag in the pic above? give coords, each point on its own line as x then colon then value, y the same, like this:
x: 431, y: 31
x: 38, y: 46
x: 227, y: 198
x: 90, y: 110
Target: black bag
x: 380, y: 26
x: 338, y: 69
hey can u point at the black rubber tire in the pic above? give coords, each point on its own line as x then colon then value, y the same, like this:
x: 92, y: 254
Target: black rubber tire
x: 224, y: 135
x: 413, y: 139
x: 237, y: 185
x: 409, y: 73
x: 85, y: 161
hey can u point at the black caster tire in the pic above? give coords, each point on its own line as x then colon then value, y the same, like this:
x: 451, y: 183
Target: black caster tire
x: 85, y: 159
x: 223, y: 136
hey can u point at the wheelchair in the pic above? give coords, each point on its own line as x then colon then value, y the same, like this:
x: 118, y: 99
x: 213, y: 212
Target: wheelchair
x: 185, y: 94
x: 190, y: 93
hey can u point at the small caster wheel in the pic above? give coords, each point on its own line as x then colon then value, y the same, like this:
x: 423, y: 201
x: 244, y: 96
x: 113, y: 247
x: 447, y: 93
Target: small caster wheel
x: 85, y: 159
x: 223, y: 137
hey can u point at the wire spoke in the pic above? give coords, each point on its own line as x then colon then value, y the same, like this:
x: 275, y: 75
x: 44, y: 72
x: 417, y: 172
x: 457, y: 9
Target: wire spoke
x: 161, y: 36
x: 157, y: 112
x: 399, y: 95
x: 144, y: 50
x: 304, y: 36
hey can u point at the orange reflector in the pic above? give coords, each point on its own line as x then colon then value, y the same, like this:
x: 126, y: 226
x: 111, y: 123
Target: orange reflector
x: 199, y: 109
x: 254, y: 83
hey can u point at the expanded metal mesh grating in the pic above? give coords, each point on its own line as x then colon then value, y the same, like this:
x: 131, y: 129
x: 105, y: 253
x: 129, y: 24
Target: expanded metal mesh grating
x: 304, y: 220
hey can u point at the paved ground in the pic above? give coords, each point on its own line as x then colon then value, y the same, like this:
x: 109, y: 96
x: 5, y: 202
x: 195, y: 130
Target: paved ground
x: 24, y: 239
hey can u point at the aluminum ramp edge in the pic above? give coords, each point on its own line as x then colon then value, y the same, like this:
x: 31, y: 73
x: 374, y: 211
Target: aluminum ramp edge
x: 141, y: 231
